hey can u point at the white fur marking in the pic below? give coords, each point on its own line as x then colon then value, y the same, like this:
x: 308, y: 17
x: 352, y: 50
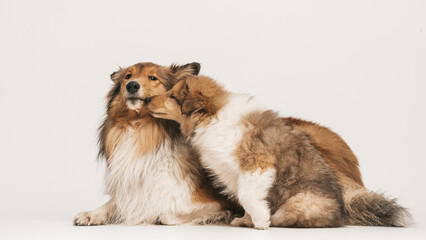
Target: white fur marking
x: 253, y: 189
x: 218, y: 140
x: 217, y: 143
x: 147, y: 188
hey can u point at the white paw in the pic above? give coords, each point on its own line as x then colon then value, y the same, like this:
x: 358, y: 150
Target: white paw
x: 92, y: 218
x: 262, y: 225
x: 248, y: 221
x: 261, y: 221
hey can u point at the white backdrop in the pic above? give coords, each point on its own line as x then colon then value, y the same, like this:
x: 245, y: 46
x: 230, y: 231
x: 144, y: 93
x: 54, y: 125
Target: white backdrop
x: 358, y: 67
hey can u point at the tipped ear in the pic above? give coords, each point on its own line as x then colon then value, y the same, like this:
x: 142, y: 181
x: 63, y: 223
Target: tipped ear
x: 181, y: 71
x: 117, y: 75
x: 191, y: 104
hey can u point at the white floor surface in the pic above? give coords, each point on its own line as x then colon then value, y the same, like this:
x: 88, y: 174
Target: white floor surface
x: 61, y: 228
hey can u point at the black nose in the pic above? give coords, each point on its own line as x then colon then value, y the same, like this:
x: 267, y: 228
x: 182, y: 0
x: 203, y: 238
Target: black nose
x: 147, y: 100
x: 133, y: 87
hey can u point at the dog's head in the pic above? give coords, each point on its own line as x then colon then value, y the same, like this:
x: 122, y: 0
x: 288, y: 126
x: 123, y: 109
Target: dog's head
x: 189, y: 102
x: 134, y: 84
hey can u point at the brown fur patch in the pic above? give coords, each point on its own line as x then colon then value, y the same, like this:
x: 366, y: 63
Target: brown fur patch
x: 254, y: 152
x: 332, y: 147
x: 200, y: 94
x: 150, y: 133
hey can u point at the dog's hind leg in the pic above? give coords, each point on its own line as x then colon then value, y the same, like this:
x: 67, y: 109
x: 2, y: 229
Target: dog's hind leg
x: 310, y: 210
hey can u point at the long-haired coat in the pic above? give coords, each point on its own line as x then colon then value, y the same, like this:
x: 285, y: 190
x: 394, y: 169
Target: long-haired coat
x: 152, y: 175
x: 272, y: 165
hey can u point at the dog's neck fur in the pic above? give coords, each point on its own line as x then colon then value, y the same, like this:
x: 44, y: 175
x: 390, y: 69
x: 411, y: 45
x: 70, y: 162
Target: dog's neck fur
x: 149, y: 132
x: 237, y: 102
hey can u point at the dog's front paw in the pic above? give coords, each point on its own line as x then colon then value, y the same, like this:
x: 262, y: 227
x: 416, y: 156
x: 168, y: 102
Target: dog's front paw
x: 92, y: 218
x: 262, y: 225
x: 247, y: 221
x: 261, y: 221
x: 244, y: 221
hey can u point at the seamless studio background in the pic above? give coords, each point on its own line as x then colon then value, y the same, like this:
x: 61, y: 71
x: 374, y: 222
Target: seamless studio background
x: 358, y: 67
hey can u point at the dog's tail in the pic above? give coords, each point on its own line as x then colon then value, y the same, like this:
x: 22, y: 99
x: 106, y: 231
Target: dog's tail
x: 368, y: 208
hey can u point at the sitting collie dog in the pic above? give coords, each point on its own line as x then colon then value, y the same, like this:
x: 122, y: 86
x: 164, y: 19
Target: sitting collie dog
x: 281, y: 170
x: 153, y: 176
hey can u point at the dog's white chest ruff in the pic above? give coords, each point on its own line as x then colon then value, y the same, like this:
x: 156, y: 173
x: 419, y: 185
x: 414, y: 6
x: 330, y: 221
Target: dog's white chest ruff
x: 146, y: 187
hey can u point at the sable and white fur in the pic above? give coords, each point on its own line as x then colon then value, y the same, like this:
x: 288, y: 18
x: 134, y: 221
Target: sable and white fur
x: 276, y: 172
x: 153, y: 175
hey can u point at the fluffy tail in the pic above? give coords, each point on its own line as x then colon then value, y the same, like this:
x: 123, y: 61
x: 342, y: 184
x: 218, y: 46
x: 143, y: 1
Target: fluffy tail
x: 369, y: 208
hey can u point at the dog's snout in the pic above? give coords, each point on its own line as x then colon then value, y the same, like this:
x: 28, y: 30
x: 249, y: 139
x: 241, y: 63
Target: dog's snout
x: 133, y: 87
x: 147, y: 100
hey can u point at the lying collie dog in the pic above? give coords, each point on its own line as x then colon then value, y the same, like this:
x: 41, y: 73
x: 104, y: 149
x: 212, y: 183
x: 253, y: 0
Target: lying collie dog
x: 278, y: 173
x: 152, y: 175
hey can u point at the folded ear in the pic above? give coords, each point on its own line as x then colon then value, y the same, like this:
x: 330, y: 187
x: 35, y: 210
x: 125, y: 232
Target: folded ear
x: 117, y: 75
x: 181, y: 71
x: 191, y: 104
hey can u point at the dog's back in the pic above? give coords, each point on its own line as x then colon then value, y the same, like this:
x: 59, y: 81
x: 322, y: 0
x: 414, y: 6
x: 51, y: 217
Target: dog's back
x: 362, y: 206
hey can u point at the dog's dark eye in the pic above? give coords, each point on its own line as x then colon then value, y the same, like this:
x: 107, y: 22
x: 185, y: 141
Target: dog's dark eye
x: 128, y: 76
x: 152, y: 78
x: 173, y: 97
